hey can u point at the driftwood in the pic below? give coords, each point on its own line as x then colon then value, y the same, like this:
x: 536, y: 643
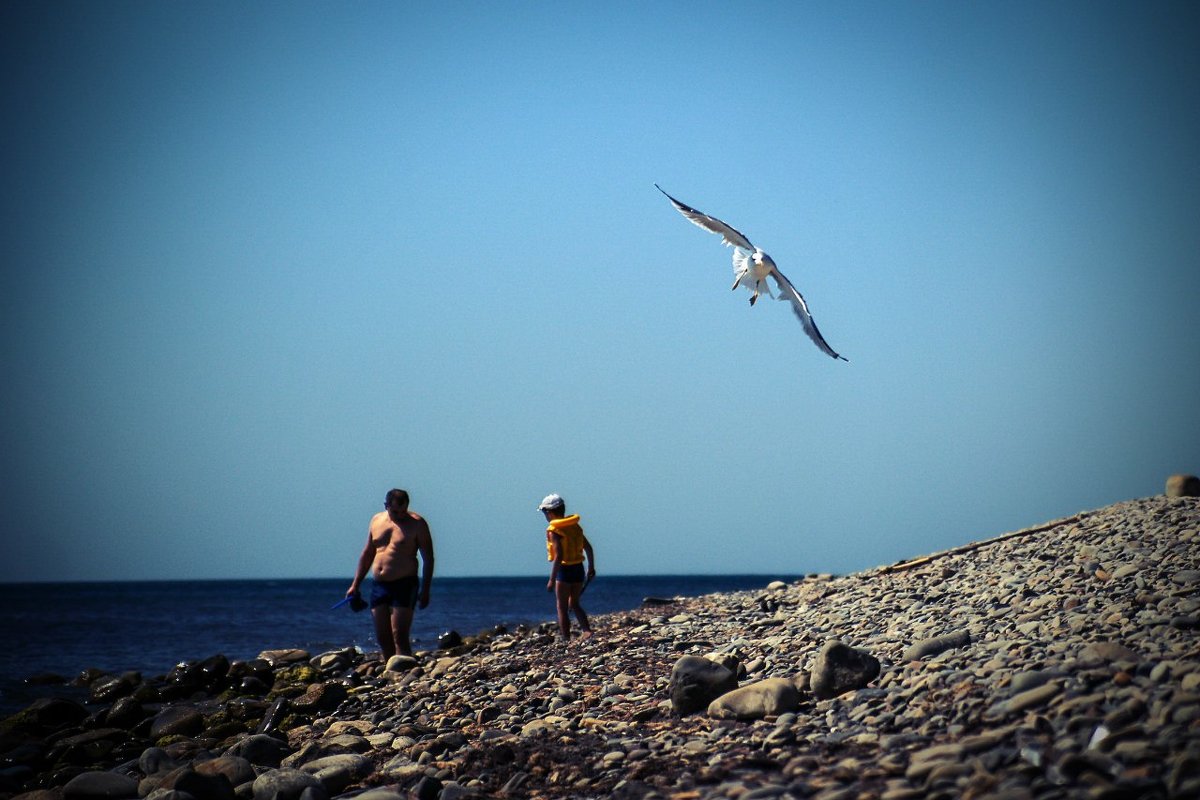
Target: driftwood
x: 966, y: 548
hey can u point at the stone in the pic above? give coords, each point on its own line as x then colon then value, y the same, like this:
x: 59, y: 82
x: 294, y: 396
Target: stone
x: 320, y: 698
x: 1031, y: 680
x: 285, y: 784
x: 1183, y: 486
x: 1108, y: 651
x: 399, y: 663
x: 274, y: 715
x: 261, y: 750
x: 278, y: 658
x: 235, y: 769
x: 550, y: 723
x: 52, y: 713
x: 333, y: 660
x: 107, y: 690
x: 177, y: 721
x: 95, y: 785
x: 696, y: 682
x: 839, y: 668
x: 214, y: 786
x: 343, y: 744
x: 125, y: 713
x: 338, y: 772
x: 1024, y: 700
x: 768, y: 697
x: 936, y: 644
x: 427, y: 788
x: 154, y: 760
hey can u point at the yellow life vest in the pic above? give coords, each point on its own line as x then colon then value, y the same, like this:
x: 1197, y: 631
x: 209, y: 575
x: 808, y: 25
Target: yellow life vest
x: 572, y: 539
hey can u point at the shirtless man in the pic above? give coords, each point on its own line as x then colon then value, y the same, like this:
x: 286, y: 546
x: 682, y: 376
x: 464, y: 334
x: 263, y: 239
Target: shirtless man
x: 394, y: 538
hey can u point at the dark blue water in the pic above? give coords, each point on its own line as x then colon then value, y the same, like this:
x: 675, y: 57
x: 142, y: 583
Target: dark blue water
x: 151, y: 626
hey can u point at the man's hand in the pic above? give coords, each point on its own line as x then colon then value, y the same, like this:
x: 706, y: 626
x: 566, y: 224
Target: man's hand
x: 424, y: 601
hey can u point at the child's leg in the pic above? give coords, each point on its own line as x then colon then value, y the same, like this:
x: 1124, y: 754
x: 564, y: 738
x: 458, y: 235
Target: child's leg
x: 562, y: 594
x: 580, y: 614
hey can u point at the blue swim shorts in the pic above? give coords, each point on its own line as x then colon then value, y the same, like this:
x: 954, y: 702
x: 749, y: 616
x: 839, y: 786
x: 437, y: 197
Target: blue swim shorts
x: 400, y: 593
x: 571, y: 573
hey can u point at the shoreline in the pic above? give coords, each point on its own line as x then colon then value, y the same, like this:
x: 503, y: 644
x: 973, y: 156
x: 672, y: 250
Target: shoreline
x: 124, y: 626
x: 1069, y: 666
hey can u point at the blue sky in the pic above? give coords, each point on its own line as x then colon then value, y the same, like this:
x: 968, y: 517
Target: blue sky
x: 266, y: 261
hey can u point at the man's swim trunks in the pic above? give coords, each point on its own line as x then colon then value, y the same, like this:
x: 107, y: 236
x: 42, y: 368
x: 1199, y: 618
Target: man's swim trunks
x: 400, y: 593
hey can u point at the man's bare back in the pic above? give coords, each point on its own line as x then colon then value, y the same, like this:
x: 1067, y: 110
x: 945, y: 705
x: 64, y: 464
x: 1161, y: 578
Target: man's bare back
x: 396, y: 541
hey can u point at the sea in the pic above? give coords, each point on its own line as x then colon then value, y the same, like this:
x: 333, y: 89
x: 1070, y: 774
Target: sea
x: 64, y: 628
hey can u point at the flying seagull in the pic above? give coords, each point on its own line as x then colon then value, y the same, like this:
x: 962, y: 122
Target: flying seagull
x: 751, y: 266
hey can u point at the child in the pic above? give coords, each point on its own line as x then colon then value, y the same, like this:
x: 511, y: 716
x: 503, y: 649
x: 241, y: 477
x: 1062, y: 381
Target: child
x: 565, y: 548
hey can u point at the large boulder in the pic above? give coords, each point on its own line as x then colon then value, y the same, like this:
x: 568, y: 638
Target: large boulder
x: 770, y: 697
x: 696, y: 682
x: 1183, y: 486
x: 840, y: 668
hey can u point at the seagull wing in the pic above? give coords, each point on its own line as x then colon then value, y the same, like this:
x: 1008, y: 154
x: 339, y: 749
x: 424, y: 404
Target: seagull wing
x: 800, y: 309
x: 730, y: 234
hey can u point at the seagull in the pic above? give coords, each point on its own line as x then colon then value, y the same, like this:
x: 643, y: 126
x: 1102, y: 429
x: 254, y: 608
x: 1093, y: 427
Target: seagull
x: 751, y: 266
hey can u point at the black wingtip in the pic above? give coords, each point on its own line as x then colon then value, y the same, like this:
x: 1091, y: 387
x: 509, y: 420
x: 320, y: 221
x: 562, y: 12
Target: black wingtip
x: 679, y: 204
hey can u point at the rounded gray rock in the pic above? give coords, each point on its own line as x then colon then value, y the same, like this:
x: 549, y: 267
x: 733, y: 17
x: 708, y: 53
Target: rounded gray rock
x: 1183, y: 486
x: 100, y: 786
x: 285, y: 784
x: 696, y: 682
x: 261, y: 750
x: 177, y: 721
x: 840, y: 668
x: 769, y: 697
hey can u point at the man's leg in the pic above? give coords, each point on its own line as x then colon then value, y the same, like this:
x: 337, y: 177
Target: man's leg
x: 382, y: 615
x: 401, y: 626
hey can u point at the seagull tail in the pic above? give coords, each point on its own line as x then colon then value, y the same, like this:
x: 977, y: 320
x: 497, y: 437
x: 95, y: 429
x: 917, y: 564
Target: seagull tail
x: 741, y: 270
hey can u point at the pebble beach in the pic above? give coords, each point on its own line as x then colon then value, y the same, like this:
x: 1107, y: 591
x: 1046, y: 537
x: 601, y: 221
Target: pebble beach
x: 1059, y: 661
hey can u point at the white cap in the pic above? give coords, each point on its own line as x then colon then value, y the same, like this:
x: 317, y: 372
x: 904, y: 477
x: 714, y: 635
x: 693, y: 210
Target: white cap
x: 551, y: 502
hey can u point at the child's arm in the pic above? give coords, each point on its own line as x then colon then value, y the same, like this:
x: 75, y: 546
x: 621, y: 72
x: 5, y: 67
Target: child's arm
x: 555, y: 547
x: 591, y: 557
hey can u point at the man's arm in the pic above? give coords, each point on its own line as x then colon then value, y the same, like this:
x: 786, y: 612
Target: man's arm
x: 364, y: 566
x: 425, y: 547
